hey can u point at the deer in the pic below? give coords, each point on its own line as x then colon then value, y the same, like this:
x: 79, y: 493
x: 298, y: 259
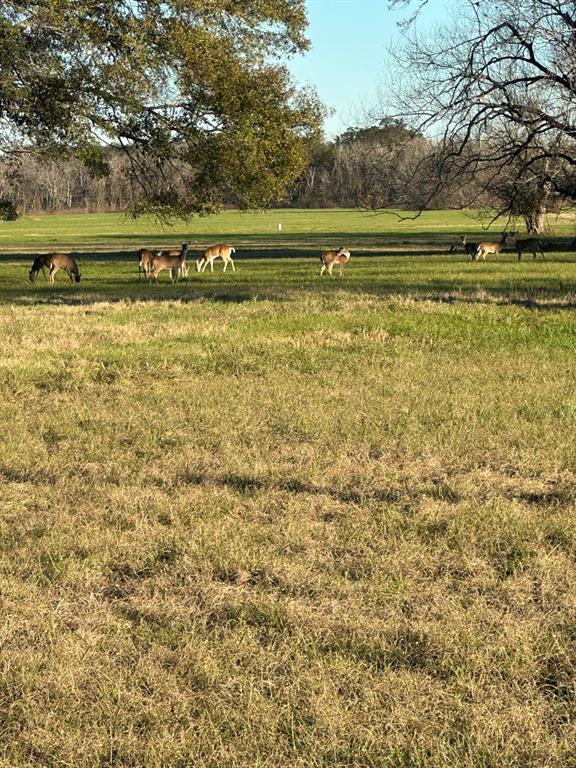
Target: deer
x: 41, y: 262
x: 183, y: 271
x: 492, y: 247
x: 531, y: 245
x: 329, y: 258
x: 144, y: 261
x: 175, y: 261
x: 220, y: 251
x: 470, y: 249
x: 65, y: 262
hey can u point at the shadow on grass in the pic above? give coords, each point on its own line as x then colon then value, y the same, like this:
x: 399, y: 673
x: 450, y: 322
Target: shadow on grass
x: 262, y: 251
x: 112, y: 276
x: 247, y: 485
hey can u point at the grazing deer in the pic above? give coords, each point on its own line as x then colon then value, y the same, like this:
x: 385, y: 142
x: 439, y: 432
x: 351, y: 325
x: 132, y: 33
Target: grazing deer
x: 175, y: 261
x: 329, y: 258
x: 41, y: 262
x: 65, y: 262
x: 144, y: 261
x: 470, y: 249
x: 491, y: 247
x: 220, y: 251
x: 531, y: 245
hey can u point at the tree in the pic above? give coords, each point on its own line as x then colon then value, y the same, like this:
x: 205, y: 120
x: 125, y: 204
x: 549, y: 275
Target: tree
x: 371, y: 167
x: 8, y: 211
x: 380, y: 166
x: 498, y: 91
x: 191, y: 92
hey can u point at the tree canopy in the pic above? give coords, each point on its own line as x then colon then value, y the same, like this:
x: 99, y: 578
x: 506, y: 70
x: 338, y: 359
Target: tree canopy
x: 497, y: 89
x: 192, y: 92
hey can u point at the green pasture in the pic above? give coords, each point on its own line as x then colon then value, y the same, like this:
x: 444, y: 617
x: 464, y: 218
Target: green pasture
x: 389, y: 256
x: 300, y: 228
x: 436, y: 276
x: 263, y: 518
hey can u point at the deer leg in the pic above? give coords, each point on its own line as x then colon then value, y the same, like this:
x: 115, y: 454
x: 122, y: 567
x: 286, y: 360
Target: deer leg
x: 322, y: 269
x: 232, y: 264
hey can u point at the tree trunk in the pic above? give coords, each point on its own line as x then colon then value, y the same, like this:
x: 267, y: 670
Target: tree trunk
x: 536, y: 221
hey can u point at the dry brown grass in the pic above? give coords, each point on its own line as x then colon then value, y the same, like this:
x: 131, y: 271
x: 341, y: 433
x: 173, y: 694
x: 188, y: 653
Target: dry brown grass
x: 326, y: 531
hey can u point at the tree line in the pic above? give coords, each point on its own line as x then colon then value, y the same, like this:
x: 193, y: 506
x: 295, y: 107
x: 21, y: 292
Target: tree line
x: 178, y: 107
x: 367, y: 167
x: 385, y: 166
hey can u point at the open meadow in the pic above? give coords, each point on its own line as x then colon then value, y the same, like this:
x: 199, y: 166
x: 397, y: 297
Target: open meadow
x: 263, y: 518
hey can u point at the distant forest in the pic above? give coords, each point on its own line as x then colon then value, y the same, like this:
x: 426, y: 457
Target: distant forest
x: 387, y: 166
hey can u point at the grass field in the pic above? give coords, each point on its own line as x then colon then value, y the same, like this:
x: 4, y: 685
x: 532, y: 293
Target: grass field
x: 265, y: 519
x: 257, y: 232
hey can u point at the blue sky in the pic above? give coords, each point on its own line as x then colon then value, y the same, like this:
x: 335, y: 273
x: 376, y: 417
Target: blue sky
x: 349, y: 40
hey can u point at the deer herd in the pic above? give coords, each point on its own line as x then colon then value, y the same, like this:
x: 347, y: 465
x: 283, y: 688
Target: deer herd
x: 476, y: 251
x: 151, y: 263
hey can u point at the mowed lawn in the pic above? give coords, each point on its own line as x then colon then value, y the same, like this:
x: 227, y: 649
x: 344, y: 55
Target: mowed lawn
x: 265, y: 519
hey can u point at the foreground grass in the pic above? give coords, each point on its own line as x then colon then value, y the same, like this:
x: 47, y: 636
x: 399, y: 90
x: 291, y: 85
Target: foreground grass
x: 263, y: 519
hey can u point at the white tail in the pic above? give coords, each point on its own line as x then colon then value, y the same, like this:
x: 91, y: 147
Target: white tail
x: 531, y: 244
x: 329, y: 258
x: 491, y: 247
x: 174, y: 261
x: 220, y: 251
x: 65, y: 262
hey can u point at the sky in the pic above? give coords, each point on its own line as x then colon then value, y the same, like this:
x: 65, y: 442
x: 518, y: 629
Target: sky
x: 346, y: 63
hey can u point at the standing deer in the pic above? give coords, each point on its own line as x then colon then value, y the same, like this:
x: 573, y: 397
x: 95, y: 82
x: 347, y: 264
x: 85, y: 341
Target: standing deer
x: 491, y: 247
x: 65, y: 262
x: 329, y: 258
x: 175, y: 261
x: 530, y: 244
x: 183, y: 271
x: 220, y: 251
x: 144, y: 261
x: 470, y: 249
x: 41, y: 262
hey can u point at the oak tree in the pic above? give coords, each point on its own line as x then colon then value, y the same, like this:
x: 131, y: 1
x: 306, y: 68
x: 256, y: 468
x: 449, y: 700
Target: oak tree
x: 194, y: 93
